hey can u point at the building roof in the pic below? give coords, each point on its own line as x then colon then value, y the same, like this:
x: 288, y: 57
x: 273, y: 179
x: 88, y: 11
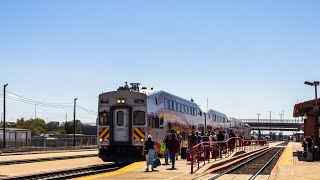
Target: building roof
x: 15, y: 129
x: 302, y: 108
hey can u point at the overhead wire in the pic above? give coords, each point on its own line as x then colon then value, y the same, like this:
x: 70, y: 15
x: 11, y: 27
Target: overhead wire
x: 35, y: 101
x: 36, y: 104
x: 87, y: 110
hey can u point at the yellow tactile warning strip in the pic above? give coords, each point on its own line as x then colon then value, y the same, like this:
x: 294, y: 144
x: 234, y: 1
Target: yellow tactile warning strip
x: 119, y: 171
x: 286, y: 158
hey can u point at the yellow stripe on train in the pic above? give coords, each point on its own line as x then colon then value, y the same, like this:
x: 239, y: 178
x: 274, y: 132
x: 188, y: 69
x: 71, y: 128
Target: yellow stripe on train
x: 107, y: 137
x: 136, y: 138
x: 136, y: 130
x: 104, y: 132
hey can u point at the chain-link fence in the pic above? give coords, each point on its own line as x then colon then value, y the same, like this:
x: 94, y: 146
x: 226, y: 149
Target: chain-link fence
x: 51, y: 142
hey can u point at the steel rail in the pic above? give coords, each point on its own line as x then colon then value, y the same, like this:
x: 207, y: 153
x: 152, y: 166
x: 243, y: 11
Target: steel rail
x: 242, y: 164
x: 255, y: 175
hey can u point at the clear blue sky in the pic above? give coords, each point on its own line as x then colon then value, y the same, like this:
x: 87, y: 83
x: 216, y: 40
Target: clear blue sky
x: 246, y: 57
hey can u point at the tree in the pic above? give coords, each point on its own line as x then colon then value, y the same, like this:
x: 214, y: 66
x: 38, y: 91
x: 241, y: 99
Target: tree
x: 37, y: 126
x: 67, y: 127
x: 52, y: 128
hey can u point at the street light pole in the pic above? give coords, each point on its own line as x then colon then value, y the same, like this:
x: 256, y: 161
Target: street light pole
x: 4, y: 115
x: 74, y: 122
x: 315, y: 84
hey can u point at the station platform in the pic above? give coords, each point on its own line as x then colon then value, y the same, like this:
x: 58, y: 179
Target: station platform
x: 182, y: 171
x: 291, y: 166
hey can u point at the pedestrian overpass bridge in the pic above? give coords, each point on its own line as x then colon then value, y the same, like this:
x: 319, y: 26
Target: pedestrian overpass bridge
x: 274, y: 124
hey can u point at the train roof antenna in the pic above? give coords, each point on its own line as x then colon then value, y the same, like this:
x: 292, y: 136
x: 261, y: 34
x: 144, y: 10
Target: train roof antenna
x: 135, y: 86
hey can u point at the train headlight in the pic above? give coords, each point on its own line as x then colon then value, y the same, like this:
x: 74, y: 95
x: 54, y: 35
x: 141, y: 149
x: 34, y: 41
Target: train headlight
x: 121, y: 101
x: 142, y: 140
x: 100, y: 140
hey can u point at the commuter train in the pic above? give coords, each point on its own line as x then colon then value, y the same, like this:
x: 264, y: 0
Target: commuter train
x: 127, y: 116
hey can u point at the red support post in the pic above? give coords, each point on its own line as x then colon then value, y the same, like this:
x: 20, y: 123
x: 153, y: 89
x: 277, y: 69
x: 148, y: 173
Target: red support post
x: 192, y: 160
x: 198, y: 155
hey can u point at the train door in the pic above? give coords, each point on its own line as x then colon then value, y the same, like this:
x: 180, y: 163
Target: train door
x: 121, y: 125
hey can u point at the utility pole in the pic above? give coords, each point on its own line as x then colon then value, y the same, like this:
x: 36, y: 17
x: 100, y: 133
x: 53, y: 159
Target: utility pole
x: 35, y: 111
x: 74, y: 122
x: 4, y: 116
x: 258, y: 128
x: 66, y: 124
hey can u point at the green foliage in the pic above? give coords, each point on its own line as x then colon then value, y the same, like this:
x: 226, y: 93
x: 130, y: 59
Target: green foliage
x: 36, y: 125
x: 52, y: 128
x: 67, y: 127
x: 39, y: 126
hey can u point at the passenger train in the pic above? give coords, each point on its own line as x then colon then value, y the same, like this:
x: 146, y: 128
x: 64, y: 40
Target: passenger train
x: 127, y: 116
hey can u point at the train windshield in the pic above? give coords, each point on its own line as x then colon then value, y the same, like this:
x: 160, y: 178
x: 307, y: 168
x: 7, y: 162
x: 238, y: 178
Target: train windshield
x: 104, y: 118
x: 139, y: 117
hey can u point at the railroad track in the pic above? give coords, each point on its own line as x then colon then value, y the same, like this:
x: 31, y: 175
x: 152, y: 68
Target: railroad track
x: 259, y: 164
x: 71, y: 173
x: 4, y: 163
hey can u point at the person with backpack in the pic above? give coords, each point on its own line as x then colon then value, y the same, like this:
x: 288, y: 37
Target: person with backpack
x: 148, y: 150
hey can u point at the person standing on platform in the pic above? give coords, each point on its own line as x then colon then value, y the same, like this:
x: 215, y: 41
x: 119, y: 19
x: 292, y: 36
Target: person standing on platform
x: 166, y: 152
x: 179, y: 137
x: 149, y: 148
x: 220, y: 138
x: 173, y: 148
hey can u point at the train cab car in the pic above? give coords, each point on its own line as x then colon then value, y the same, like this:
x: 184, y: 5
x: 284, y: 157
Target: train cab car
x: 121, y: 124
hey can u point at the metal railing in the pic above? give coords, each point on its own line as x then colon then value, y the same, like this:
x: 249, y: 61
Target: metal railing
x: 201, y: 152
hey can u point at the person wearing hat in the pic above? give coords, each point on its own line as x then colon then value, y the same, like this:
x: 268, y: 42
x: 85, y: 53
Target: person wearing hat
x: 148, y: 150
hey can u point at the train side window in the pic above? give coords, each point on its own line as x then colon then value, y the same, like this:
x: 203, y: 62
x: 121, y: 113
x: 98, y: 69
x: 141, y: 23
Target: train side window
x: 104, y: 118
x: 161, y: 123
x: 179, y: 107
x: 166, y: 103
x: 174, y: 106
x: 139, y: 117
x: 156, y: 100
x: 120, y: 118
x: 170, y: 105
x: 186, y: 109
x: 182, y: 108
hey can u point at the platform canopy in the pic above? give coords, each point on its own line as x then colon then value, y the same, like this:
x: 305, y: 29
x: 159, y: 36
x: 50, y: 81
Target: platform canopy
x: 301, y: 109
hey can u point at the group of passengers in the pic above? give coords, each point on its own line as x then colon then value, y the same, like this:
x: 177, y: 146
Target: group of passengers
x: 211, y: 136
x: 172, y: 144
x: 172, y: 148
